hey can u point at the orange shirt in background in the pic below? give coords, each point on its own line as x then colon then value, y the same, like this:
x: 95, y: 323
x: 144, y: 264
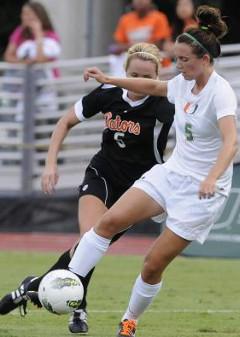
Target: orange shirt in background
x: 132, y: 29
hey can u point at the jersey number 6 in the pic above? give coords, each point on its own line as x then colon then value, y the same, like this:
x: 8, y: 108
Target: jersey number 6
x: 118, y: 137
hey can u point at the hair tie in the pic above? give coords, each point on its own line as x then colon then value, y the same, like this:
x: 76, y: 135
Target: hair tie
x: 204, y: 27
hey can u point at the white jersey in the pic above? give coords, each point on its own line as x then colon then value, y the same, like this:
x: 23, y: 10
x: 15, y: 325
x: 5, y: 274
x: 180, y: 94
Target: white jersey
x: 198, y: 138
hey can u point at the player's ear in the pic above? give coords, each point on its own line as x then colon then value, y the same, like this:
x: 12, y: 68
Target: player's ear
x: 206, y: 58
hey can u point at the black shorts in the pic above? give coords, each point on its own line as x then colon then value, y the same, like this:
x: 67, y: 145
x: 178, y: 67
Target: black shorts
x: 94, y: 183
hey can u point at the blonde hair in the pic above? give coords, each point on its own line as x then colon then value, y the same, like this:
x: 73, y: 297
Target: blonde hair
x: 144, y: 51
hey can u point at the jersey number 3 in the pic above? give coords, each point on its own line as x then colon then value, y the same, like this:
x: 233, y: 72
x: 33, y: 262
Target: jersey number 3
x: 188, y: 132
x: 118, y: 137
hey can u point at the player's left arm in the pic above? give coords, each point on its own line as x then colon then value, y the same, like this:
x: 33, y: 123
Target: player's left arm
x: 228, y: 130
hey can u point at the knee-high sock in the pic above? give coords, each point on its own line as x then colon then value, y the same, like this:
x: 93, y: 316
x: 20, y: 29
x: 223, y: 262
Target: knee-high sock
x: 62, y: 263
x: 141, y: 297
x: 88, y: 253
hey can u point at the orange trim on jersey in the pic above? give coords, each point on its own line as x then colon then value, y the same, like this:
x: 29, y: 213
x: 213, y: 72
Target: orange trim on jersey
x: 186, y: 107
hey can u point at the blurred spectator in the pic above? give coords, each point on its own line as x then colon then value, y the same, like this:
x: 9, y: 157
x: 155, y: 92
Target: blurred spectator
x: 184, y: 18
x: 34, y: 41
x: 143, y: 24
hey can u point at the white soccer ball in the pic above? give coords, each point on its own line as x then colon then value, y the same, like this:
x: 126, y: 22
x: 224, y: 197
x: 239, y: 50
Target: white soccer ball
x: 60, y: 291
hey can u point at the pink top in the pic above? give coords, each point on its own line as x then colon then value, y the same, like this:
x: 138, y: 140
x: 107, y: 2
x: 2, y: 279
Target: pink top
x: 17, y: 38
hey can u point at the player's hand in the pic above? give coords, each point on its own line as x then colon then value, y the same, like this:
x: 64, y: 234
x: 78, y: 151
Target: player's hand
x: 207, y: 188
x: 49, y: 179
x: 95, y: 73
x: 36, y: 28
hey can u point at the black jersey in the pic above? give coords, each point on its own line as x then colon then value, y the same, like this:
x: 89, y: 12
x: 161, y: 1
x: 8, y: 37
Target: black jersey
x: 127, y: 148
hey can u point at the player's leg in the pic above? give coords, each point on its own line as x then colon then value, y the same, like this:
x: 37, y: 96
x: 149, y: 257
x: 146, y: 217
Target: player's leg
x: 94, y: 208
x: 135, y: 205
x: 90, y: 209
x: 149, y: 282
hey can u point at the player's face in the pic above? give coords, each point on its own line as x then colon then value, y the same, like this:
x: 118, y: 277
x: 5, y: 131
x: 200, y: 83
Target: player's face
x: 139, y: 68
x: 188, y: 63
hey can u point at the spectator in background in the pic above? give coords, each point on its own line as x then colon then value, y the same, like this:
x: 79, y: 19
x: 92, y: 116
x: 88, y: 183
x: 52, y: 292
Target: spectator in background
x: 184, y: 19
x: 143, y: 24
x: 34, y: 41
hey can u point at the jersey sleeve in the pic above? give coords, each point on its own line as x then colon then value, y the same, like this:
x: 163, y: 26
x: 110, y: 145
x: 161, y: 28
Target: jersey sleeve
x: 225, y: 102
x: 173, y: 87
x: 90, y: 104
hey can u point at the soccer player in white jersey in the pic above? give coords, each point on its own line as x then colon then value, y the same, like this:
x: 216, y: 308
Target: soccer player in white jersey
x: 194, y: 183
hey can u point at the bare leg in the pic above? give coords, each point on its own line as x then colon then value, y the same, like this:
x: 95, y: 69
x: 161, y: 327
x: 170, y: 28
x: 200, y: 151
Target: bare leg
x: 163, y: 251
x: 135, y: 205
x: 90, y: 210
x: 148, y: 284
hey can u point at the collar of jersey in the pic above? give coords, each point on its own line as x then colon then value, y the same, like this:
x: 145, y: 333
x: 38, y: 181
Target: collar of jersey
x: 130, y: 102
x: 208, y: 84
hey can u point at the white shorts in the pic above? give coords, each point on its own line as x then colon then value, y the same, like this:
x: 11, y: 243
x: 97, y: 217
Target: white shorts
x: 187, y: 216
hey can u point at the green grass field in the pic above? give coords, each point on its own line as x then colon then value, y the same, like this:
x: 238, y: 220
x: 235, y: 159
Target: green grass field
x: 200, y: 298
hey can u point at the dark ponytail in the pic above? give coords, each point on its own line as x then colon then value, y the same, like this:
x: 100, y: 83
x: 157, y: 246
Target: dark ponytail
x: 205, y: 38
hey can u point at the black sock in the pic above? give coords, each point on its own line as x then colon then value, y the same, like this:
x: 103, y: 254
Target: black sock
x: 85, y: 282
x: 62, y: 263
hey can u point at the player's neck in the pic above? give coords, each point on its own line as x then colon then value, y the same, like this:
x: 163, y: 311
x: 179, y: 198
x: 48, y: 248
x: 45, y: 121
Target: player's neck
x: 202, y: 80
x: 134, y: 97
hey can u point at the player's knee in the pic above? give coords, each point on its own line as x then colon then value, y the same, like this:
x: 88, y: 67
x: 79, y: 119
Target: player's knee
x: 152, y: 270
x: 108, y: 225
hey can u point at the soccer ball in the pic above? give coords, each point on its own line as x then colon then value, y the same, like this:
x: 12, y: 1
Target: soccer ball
x: 60, y: 291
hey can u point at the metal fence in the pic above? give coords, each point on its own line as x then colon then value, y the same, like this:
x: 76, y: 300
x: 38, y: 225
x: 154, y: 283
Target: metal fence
x: 32, y: 99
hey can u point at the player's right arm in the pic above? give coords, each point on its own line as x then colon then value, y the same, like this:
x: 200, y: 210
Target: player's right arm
x: 50, y: 173
x: 84, y: 108
x: 139, y: 85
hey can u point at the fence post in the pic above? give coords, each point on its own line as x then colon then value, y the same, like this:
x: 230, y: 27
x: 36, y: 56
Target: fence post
x: 28, y: 130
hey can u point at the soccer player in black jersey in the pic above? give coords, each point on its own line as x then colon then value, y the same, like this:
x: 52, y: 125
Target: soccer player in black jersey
x: 127, y: 151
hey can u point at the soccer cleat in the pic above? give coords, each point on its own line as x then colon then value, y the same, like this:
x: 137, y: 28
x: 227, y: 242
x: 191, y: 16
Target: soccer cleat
x: 78, y: 322
x: 127, y: 328
x: 33, y: 297
x: 16, y: 299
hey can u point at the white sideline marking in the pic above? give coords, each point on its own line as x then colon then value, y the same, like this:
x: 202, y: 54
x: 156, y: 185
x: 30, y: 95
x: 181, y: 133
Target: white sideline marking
x: 177, y: 311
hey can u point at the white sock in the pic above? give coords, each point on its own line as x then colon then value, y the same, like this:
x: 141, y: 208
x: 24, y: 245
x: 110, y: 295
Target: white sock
x: 141, y: 297
x: 89, y: 251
